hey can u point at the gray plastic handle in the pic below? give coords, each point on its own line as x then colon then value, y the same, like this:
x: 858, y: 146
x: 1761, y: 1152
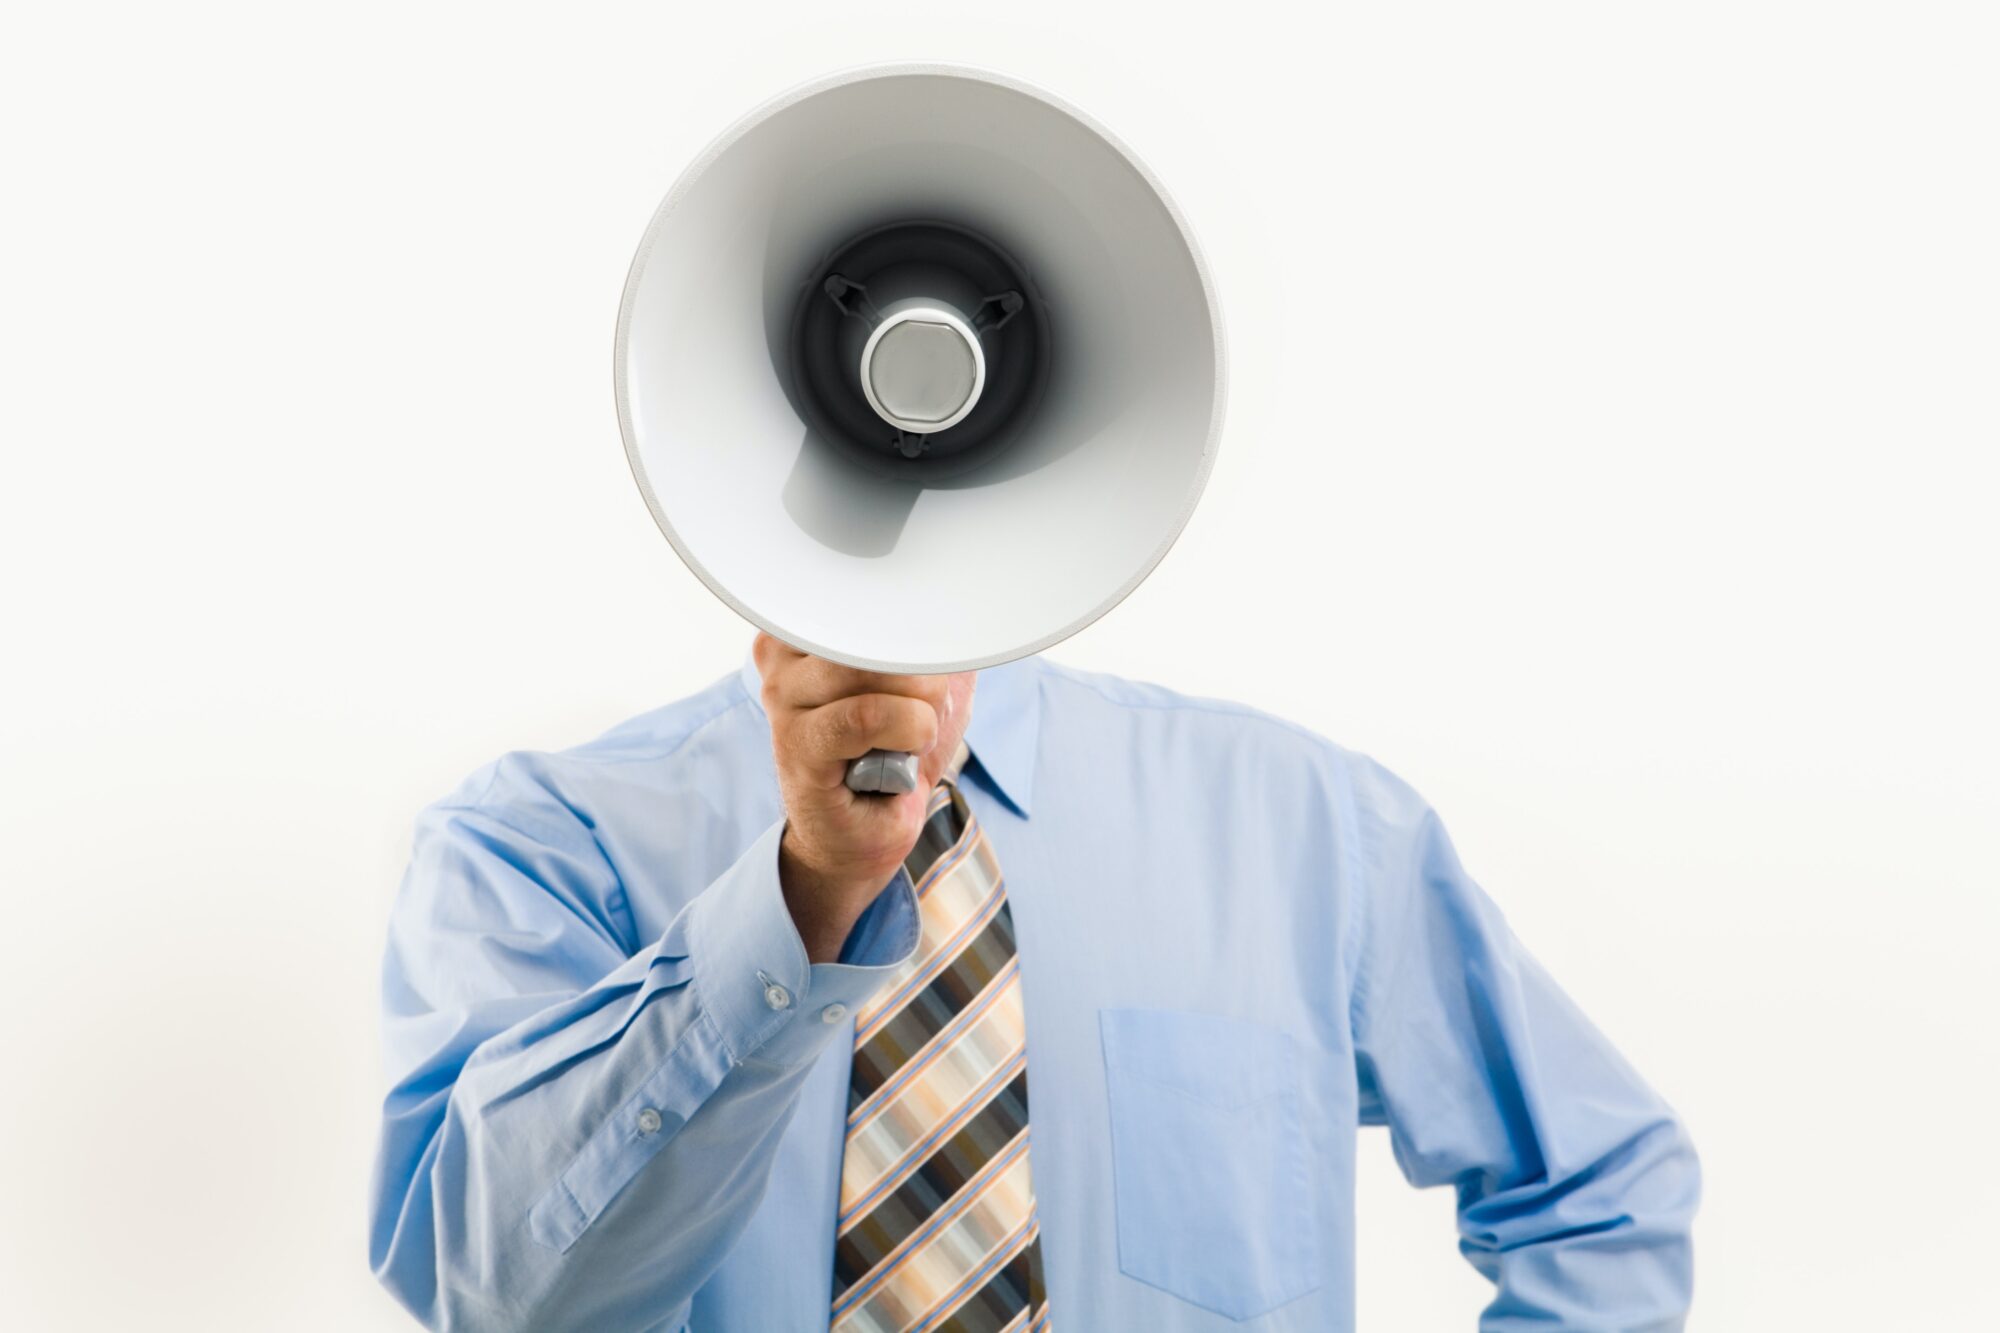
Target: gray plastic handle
x: 889, y: 771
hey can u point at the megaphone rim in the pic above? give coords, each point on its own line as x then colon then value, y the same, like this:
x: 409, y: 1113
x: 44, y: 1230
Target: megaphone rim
x: 693, y: 172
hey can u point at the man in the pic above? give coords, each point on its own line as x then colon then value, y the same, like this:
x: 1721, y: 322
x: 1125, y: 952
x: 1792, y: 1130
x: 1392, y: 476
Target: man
x: 685, y: 1034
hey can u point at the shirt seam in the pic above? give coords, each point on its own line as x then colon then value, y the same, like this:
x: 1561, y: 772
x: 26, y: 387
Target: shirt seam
x: 1216, y: 707
x: 665, y: 750
x: 669, y: 749
x: 1355, y: 910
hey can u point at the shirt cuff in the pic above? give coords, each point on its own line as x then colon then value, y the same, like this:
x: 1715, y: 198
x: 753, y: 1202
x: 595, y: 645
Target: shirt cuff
x: 750, y: 966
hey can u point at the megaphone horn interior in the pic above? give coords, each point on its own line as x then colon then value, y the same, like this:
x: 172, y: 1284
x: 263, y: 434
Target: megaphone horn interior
x: 919, y: 369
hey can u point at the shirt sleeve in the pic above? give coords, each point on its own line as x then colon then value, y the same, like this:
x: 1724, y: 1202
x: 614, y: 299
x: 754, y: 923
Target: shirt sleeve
x: 1576, y: 1183
x: 576, y: 1133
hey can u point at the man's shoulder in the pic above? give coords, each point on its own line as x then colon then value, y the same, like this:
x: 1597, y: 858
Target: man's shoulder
x: 1144, y: 702
x: 722, y: 706
x: 700, y: 727
x: 1254, y: 734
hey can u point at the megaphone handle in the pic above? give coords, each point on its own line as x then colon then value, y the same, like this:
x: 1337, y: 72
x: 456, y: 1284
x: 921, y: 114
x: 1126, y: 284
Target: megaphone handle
x: 888, y: 771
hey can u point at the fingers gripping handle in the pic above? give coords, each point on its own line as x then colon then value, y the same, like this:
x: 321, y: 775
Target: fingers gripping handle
x: 889, y: 771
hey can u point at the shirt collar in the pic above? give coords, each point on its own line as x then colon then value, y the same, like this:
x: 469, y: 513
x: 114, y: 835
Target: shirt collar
x: 1004, y: 734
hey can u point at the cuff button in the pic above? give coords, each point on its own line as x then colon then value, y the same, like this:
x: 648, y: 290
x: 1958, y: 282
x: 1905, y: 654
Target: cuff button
x: 775, y: 995
x: 832, y: 1014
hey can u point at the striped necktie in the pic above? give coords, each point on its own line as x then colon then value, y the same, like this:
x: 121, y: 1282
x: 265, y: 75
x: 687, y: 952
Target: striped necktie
x: 937, y: 1230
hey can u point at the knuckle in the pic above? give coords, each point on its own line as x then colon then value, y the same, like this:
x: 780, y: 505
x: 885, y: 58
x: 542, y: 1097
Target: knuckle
x: 866, y: 716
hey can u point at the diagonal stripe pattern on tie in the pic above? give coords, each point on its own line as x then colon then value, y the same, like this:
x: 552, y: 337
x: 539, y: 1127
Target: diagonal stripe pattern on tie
x: 937, y: 1230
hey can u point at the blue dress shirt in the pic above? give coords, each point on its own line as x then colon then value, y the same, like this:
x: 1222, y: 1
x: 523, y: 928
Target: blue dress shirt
x: 618, y: 1087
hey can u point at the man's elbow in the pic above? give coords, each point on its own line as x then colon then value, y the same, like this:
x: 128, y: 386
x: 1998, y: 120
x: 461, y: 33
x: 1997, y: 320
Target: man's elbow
x: 428, y: 1248
x: 451, y: 1298
x: 1638, y: 1195
x: 1660, y: 1188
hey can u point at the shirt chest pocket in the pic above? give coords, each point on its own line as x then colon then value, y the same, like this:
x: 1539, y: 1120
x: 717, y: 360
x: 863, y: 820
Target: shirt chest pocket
x: 1214, y: 1189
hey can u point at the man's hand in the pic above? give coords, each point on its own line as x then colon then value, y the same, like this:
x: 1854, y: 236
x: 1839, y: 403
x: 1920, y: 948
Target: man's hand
x: 841, y: 848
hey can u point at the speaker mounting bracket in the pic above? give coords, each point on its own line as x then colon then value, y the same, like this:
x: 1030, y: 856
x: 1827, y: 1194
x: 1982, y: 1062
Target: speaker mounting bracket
x: 995, y: 311
x: 852, y: 299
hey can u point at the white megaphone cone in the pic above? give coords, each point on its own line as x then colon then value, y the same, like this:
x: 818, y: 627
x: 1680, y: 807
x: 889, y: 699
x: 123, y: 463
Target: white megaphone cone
x: 920, y: 370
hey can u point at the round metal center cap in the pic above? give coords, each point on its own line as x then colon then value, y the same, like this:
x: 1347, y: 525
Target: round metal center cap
x: 922, y: 370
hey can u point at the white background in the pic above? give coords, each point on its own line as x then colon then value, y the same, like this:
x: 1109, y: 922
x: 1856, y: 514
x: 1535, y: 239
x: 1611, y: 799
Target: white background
x: 1611, y: 452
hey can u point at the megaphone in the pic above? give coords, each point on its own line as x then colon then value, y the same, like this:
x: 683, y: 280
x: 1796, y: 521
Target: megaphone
x: 920, y: 370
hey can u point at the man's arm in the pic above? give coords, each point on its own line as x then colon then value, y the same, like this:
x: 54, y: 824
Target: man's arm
x: 579, y: 1128
x: 574, y: 1138
x: 1576, y: 1183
